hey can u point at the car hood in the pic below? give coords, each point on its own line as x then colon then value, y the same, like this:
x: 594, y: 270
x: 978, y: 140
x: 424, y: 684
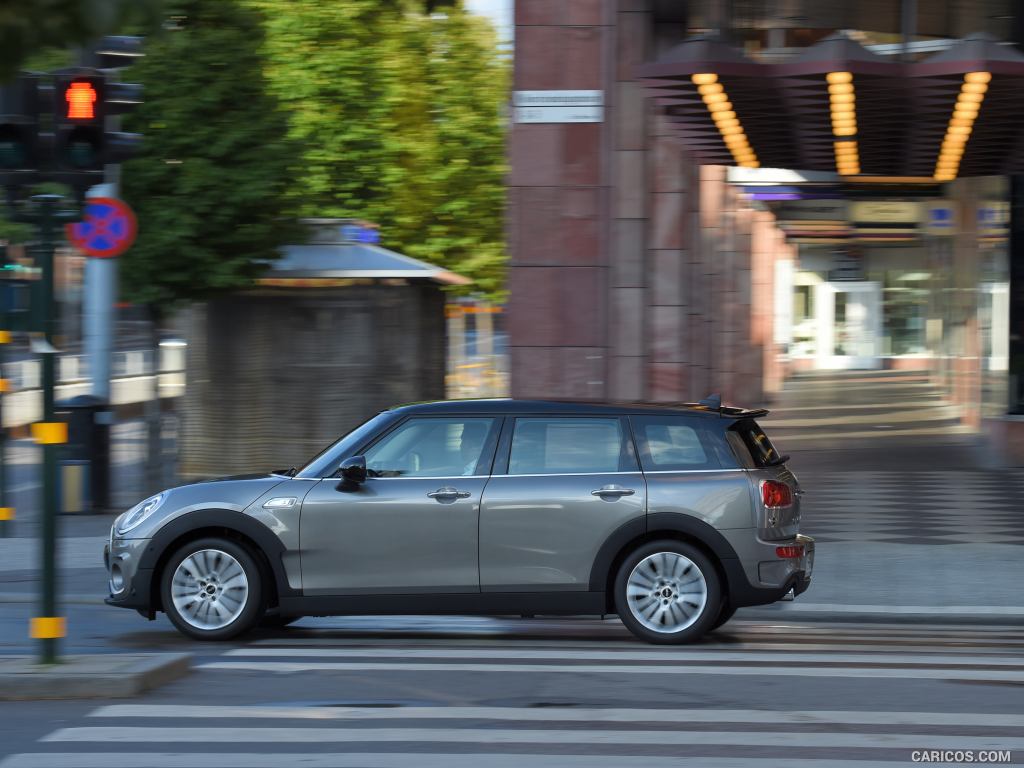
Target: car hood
x: 236, y: 492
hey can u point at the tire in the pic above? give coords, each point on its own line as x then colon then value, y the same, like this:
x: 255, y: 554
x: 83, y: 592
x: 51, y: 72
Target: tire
x: 228, y: 589
x: 724, y: 615
x: 691, y: 594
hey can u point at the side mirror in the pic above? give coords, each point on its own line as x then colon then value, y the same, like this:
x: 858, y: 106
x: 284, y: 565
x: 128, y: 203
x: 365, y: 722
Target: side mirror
x: 353, y: 469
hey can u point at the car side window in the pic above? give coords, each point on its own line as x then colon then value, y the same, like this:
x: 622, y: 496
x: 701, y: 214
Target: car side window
x: 672, y: 444
x: 434, y: 447
x: 546, y: 446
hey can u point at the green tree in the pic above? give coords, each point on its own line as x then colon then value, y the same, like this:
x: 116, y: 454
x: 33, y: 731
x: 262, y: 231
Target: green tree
x: 469, y: 91
x: 209, y: 184
x: 398, y: 113
x: 28, y: 27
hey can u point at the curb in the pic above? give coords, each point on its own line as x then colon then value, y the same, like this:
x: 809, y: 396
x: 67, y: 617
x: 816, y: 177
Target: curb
x: 18, y: 598
x: 95, y: 676
x: 837, y: 615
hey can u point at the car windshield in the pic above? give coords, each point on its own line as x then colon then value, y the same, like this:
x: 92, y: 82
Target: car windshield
x: 325, y: 462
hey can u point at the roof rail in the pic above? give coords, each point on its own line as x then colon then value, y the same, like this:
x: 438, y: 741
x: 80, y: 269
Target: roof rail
x: 713, y: 402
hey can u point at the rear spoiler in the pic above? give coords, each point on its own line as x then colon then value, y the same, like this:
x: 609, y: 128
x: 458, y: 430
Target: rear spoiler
x: 714, y: 403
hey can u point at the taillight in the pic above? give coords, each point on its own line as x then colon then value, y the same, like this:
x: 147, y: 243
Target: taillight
x: 790, y: 550
x: 775, y: 494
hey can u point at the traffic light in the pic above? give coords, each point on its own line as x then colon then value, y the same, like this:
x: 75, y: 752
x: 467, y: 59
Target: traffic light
x: 79, y: 121
x: 19, y: 129
x: 83, y: 143
x: 113, y: 53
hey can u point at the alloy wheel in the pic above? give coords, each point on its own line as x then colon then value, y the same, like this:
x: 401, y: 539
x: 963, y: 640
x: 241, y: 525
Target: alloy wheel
x: 209, y: 589
x: 666, y: 592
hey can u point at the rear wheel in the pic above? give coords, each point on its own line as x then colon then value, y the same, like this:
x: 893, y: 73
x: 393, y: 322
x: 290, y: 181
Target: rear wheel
x: 724, y: 615
x: 668, y: 592
x: 212, y: 589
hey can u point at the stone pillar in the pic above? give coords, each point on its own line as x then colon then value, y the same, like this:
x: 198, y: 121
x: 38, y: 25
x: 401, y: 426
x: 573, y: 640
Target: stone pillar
x: 636, y: 274
x: 559, y: 205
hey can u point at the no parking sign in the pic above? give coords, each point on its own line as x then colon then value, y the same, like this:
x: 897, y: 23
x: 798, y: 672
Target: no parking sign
x: 107, y: 228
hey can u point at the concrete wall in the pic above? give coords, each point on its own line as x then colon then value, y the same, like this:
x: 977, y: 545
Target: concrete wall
x: 636, y: 274
x: 274, y: 376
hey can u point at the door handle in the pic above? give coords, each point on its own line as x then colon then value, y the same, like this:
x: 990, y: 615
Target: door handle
x: 613, y: 490
x: 449, y: 493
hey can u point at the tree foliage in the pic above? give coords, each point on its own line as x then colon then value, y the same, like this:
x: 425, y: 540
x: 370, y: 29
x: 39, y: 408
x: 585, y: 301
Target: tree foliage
x: 28, y: 27
x: 209, y: 184
x: 399, y: 116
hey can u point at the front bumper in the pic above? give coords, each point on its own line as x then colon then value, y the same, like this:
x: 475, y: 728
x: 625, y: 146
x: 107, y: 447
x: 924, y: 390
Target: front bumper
x: 129, y: 585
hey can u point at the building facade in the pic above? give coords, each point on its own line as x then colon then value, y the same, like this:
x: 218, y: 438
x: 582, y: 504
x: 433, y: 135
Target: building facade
x: 657, y: 258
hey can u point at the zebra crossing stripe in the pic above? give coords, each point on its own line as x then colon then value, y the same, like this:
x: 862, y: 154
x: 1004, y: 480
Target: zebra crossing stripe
x: 563, y: 714
x: 406, y: 759
x: 677, y: 656
x: 998, y: 675
x: 264, y: 735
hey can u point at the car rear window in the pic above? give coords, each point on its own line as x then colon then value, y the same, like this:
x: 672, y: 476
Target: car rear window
x: 753, y: 442
x: 671, y: 444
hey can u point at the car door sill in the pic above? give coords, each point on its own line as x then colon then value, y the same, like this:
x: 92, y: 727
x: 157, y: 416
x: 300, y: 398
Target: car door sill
x: 493, y: 603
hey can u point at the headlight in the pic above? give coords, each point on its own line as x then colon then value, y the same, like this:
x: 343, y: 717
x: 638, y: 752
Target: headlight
x: 138, y: 513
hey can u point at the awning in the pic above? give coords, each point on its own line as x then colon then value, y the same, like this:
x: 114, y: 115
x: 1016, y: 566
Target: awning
x: 335, y: 257
x: 838, y: 107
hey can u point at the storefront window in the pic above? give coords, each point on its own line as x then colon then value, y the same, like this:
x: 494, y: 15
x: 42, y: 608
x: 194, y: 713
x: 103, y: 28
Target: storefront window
x: 904, y: 312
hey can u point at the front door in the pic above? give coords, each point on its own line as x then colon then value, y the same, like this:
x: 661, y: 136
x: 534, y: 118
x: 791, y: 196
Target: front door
x: 849, y: 325
x: 563, y: 485
x: 413, y: 525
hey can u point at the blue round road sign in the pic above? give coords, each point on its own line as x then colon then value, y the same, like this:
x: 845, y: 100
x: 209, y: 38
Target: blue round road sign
x: 107, y: 228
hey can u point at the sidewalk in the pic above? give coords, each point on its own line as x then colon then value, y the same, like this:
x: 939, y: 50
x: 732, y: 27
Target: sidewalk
x: 908, y: 523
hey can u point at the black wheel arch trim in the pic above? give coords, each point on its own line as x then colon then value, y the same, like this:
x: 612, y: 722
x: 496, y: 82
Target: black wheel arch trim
x: 738, y: 588
x: 231, y: 520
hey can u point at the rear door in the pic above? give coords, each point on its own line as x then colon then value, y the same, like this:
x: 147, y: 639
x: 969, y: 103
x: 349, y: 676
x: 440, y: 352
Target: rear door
x: 561, y: 486
x: 685, y: 474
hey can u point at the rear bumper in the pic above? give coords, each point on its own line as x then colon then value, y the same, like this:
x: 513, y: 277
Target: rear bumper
x: 798, y: 578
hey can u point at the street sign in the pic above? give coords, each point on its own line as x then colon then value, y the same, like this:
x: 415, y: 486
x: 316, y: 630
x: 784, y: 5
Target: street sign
x: 107, y: 228
x: 558, y: 106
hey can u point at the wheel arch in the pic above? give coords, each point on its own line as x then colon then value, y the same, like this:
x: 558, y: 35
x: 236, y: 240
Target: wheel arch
x: 660, y: 525
x: 235, y: 526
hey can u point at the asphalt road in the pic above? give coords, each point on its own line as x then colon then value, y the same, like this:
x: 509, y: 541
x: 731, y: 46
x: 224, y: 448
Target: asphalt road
x: 450, y: 692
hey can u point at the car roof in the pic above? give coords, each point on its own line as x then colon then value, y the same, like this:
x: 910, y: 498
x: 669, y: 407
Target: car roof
x: 510, y: 406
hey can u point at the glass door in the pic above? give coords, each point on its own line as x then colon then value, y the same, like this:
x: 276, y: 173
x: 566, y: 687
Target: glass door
x: 849, y: 316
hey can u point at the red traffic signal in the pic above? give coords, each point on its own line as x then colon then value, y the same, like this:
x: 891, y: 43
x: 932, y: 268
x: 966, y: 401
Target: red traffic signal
x: 80, y: 97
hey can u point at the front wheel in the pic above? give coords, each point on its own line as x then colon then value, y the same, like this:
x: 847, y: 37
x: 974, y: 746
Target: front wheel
x: 668, y: 592
x: 212, y: 589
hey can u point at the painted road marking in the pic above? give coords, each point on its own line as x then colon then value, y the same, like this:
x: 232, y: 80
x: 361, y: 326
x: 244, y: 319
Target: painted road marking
x: 563, y: 714
x: 264, y: 735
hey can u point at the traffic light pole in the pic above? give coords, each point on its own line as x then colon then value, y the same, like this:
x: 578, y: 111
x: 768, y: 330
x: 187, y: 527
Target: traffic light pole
x: 6, y: 510
x: 48, y: 628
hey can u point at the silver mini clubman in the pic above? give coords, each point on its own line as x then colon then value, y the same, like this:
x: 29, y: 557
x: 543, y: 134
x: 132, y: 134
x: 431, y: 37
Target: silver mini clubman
x: 671, y: 518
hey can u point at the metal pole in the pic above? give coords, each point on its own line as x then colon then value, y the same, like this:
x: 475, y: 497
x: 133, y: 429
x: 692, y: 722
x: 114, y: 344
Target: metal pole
x: 6, y: 511
x: 48, y: 627
x: 909, y: 27
x: 98, y: 308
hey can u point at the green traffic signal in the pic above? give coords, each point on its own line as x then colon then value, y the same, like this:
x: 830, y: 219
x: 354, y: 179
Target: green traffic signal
x: 81, y: 148
x: 14, y: 151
